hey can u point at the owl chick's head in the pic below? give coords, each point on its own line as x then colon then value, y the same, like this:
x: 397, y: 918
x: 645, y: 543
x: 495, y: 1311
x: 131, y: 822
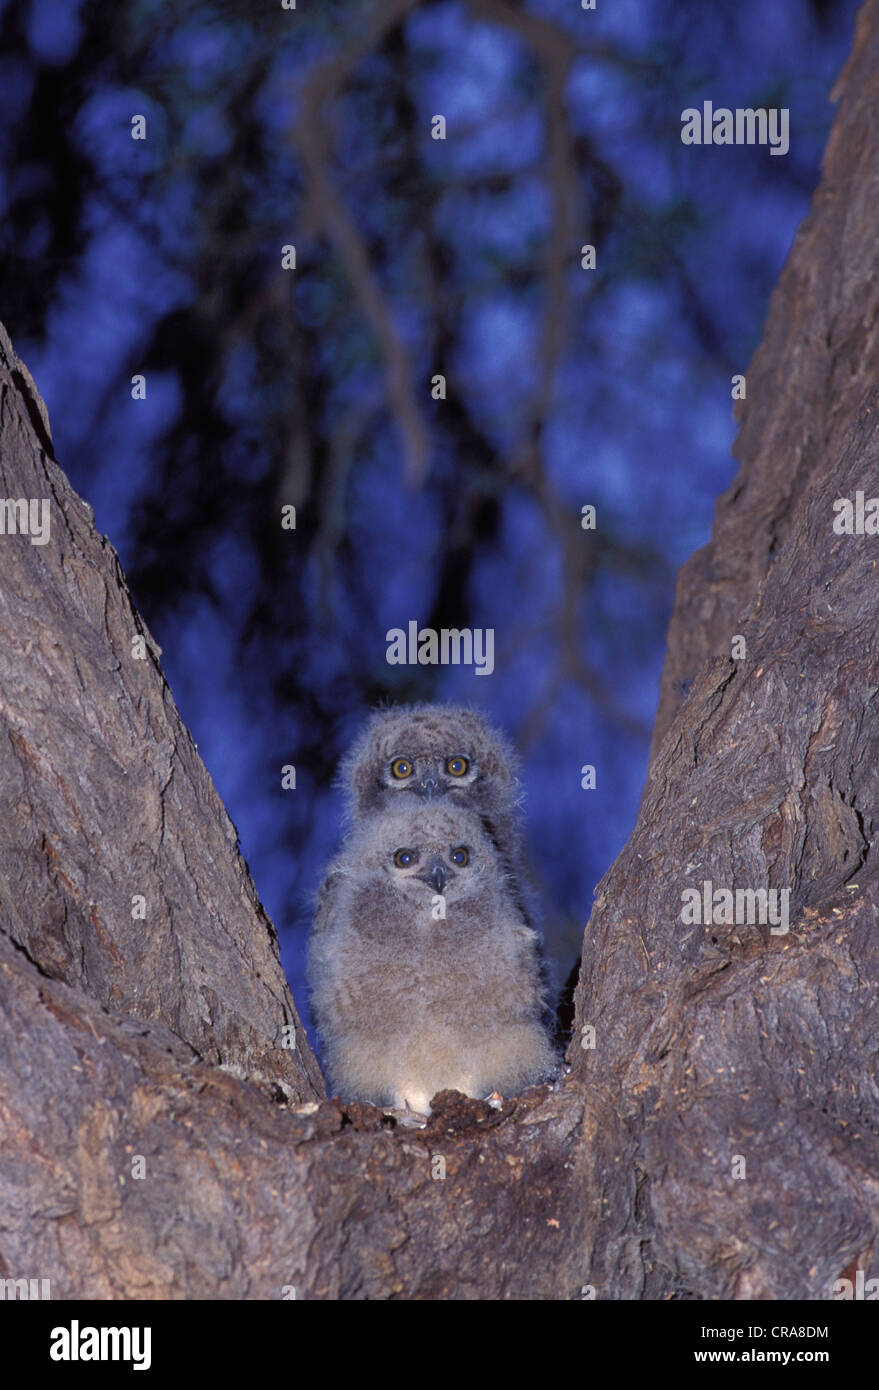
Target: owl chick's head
x: 428, y: 752
x: 424, y: 849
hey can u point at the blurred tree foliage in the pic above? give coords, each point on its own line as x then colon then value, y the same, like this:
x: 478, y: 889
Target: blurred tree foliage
x: 415, y: 258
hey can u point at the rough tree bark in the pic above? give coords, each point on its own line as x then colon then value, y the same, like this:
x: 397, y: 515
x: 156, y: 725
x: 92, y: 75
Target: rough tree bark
x: 161, y: 1037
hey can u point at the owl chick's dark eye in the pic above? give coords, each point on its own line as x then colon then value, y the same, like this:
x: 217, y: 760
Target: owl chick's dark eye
x: 401, y: 768
x: 457, y: 766
x: 460, y: 856
x: 405, y: 858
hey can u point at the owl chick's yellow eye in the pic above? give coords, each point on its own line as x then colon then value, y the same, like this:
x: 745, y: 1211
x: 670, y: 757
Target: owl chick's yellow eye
x: 405, y: 858
x: 401, y: 769
x: 457, y: 766
x: 460, y: 856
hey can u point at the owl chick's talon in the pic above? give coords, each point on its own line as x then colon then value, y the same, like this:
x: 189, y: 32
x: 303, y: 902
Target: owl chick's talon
x: 406, y: 1119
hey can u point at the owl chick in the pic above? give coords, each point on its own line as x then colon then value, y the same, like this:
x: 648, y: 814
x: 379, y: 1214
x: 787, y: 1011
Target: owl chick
x: 419, y: 753
x: 424, y: 974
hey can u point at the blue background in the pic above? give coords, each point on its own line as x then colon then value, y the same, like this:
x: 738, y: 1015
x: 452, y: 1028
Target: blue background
x: 264, y: 387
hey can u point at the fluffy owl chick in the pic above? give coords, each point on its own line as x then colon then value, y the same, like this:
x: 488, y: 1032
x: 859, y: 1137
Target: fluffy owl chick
x: 422, y: 753
x: 424, y: 974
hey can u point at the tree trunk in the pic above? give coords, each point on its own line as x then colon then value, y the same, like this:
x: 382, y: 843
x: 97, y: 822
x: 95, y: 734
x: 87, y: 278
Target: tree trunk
x: 719, y: 1139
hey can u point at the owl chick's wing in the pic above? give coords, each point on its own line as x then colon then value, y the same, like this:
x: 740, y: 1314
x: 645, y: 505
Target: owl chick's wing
x: 328, y: 898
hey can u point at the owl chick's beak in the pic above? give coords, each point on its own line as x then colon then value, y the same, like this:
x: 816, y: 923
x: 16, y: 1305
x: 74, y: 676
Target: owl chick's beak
x: 428, y: 783
x: 436, y: 873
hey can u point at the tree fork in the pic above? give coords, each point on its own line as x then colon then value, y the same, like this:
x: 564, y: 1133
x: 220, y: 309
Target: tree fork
x: 720, y: 1137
